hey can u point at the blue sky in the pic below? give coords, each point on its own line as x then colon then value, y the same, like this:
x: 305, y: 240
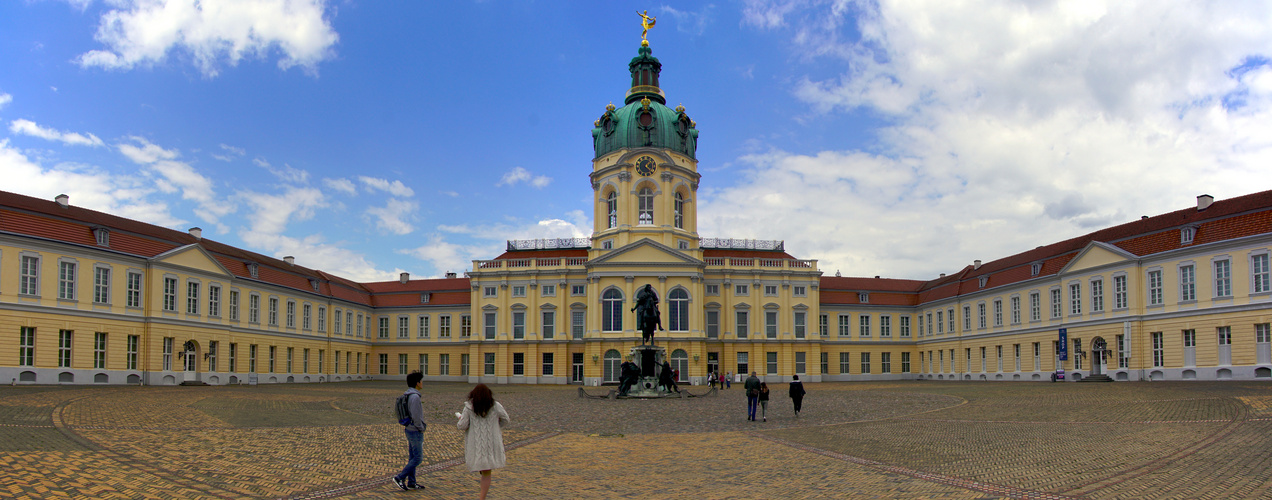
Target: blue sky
x: 901, y: 139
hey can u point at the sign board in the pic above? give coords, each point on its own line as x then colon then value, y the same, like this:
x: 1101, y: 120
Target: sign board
x: 1063, y: 344
x: 251, y: 379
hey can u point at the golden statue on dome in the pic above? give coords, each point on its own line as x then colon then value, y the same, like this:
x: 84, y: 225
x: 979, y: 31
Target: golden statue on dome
x: 646, y: 21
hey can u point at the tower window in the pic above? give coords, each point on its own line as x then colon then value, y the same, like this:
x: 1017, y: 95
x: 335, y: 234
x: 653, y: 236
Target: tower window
x: 680, y: 211
x: 646, y: 198
x: 611, y: 207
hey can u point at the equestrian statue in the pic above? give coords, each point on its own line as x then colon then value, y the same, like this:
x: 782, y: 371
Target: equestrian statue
x: 647, y: 315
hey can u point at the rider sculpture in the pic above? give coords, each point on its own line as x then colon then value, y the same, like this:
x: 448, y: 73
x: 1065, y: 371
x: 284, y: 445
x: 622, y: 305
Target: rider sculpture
x: 647, y: 316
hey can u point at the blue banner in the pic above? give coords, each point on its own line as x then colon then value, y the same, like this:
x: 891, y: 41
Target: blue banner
x: 1064, y: 344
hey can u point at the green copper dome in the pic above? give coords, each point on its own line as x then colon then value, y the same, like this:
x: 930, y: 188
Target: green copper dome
x: 645, y: 120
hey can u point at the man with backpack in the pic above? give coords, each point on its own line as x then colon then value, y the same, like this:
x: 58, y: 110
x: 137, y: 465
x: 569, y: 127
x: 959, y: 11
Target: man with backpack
x: 410, y: 414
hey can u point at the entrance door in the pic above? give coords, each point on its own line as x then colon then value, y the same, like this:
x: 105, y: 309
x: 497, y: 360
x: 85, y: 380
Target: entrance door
x: 576, y: 368
x: 1098, y: 349
x: 713, y: 363
x: 191, y: 361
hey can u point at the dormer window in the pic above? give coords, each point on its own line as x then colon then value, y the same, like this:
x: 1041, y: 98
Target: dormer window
x: 424, y: 297
x: 1034, y: 269
x: 863, y: 297
x: 313, y: 283
x: 984, y: 280
x: 1186, y: 235
x: 102, y: 235
x: 253, y: 269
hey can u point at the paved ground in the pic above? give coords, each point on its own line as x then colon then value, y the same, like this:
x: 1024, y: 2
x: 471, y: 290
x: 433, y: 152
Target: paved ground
x: 954, y: 440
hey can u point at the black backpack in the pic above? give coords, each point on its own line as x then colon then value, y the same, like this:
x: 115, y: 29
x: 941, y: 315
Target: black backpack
x: 403, y: 409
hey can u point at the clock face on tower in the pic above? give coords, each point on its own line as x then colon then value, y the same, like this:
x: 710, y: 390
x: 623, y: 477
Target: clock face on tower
x: 646, y: 165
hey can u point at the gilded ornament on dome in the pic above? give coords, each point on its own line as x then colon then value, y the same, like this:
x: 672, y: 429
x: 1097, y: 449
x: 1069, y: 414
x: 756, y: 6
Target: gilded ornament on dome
x: 646, y: 22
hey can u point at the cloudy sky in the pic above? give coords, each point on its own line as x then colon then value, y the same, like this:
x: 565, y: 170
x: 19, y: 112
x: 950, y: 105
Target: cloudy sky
x: 895, y: 138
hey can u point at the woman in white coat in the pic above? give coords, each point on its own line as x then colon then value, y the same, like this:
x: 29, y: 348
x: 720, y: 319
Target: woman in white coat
x: 483, y: 419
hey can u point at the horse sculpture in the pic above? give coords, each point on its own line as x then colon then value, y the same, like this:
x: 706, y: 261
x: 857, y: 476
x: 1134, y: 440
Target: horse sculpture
x: 647, y: 316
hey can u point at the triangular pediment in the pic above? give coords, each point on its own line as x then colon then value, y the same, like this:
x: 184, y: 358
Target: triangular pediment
x: 192, y: 256
x: 1097, y: 254
x: 645, y: 251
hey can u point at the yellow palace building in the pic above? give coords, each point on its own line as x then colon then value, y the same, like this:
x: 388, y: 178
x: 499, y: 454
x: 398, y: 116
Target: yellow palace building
x: 91, y: 298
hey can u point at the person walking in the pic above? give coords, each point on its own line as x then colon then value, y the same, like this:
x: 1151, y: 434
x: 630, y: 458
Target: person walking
x: 797, y: 393
x: 483, y: 420
x: 711, y: 379
x: 728, y: 380
x: 752, y: 387
x: 764, y: 398
x: 414, y: 428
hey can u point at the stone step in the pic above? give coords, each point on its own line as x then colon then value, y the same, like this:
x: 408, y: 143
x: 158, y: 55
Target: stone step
x: 1096, y: 378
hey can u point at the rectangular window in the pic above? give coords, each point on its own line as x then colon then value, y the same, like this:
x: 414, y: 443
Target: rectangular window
x: 291, y: 355
x: 1119, y: 292
x: 885, y: 362
x: 306, y: 313
x: 349, y: 325
x: 980, y: 315
x: 864, y: 325
x: 951, y: 319
x: 578, y: 326
x: 463, y: 364
x: 1015, y: 310
x: 322, y: 319
x: 905, y: 362
x: 518, y: 324
x: 1190, y: 338
x: 321, y: 366
x: 845, y: 325
x: 1097, y: 296
x: 99, y: 350
x: 1223, y: 278
x: 1035, y: 307
x: 547, y: 290
x: 291, y: 314
x: 770, y: 290
x: 1187, y: 283
x: 273, y: 358
x: 29, y: 276
x: 823, y: 324
x: 519, y: 291
x: 825, y: 362
x: 844, y: 363
x: 940, y: 322
x: 713, y: 324
x: 1260, y: 276
x: 490, y: 363
x: 998, y: 312
x: 443, y: 364
x: 1075, y: 298
x: 404, y: 326
x: 422, y: 326
x: 549, y: 324
x: 930, y: 331
x: 905, y: 327
x: 865, y: 362
x: 64, y: 348
x: 273, y: 311
x: 1154, y: 288
x: 101, y: 285
x: 770, y: 324
x: 799, y: 291
x: 489, y: 325
x: 212, y: 348
x: 192, y: 298
x: 135, y: 340
x: 27, y: 346
x: 770, y: 362
x: 133, y: 293
x: 384, y: 363
x: 66, y: 281
x: 254, y: 308
x: 234, y: 305
x: 403, y: 364
x: 885, y: 326
x: 1159, y: 351
x: 744, y: 363
x: 1123, y: 352
x: 234, y: 358
x: 578, y: 290
x: 167, y: 353
x: 800, y: 325
x: 383, y: 330
x: 214, y: 302
x: 743, y: 324
x: 547, y: 364
x: 465, y: 325
x: 712, y: 289
x: 1055, y: 303
x: 170, y: 294
x: 801, y: 363
x: 1262, y: 333
x: 489, y: 291
x: 251, y: 358
x: 337, y: 361
x: 741, y: 290
x: 443, y: 326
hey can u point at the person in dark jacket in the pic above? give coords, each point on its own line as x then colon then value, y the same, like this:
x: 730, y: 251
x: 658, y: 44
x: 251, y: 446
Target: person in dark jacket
x: 405, y: 479
x: 797, y: 393
x: 764, y: 398
x: 752, y: 387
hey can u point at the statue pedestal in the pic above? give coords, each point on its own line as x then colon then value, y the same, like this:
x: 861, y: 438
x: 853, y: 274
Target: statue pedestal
x: 649, y: 358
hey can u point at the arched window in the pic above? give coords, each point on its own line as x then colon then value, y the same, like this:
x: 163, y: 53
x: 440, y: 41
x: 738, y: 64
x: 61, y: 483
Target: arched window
x: 613, y: 365
x: 678, y: 310
x: 611, y: 208
x: 646, y: 198
x: 612, y: 311
x: 680, y: 211
x: 680, y: 362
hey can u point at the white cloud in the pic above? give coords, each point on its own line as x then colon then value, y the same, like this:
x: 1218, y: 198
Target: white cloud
x: 395, y: 188
x: 87, y: 186
x: 272, y: 212
x: 5, y: 99
x: 285, y: 173
x: 693, y: 23
x: 231, y: 153
x: 454, y: 247
x: 212, y: 33
x: 519, y: 174
x: 1010, y: 126
x: 176, y: 176
x: 394, y: 215
x: 446, y: 256
x: 313, y: 252
x: 343, y: 185
x: 28, y: 127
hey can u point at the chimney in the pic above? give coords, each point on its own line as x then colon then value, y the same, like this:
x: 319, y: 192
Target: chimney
x: 63, y: 200
x: 1204, y: 201
x: 942, y: 275
x: 291, y: 261
x: 976, y: 264
x: 450, y: 274
x: 1142, y: 217
x: 404, y: 277
x: 197, y: 233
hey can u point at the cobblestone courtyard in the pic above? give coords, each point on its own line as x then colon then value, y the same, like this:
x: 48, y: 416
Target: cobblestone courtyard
x: 854, y: 440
